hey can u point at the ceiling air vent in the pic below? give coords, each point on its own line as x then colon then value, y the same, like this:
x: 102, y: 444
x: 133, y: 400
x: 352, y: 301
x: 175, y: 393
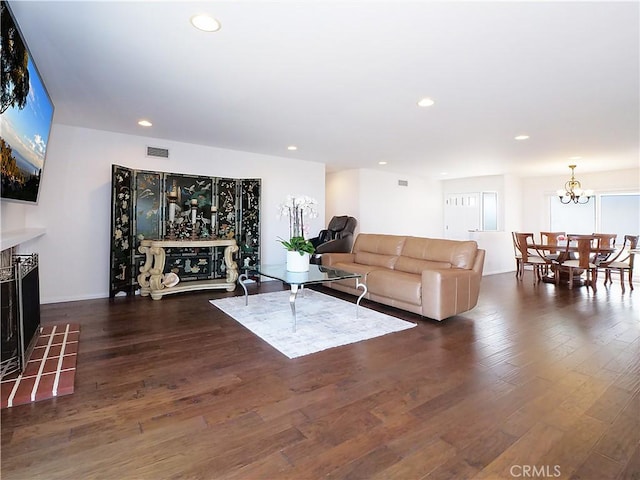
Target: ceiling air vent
x: 403, y: 183
x: 157, y: 152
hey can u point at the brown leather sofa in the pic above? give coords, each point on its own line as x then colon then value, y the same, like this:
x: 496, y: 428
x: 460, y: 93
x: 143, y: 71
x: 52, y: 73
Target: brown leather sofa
x: 436, y: 278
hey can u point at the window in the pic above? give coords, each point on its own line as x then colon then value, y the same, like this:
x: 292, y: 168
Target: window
x: 573, y: 218
x: 490, y: 211
x: 620, y: 214
x: 609, y: 213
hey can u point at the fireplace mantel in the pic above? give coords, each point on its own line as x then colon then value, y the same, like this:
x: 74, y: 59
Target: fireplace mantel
x: 13, y: 238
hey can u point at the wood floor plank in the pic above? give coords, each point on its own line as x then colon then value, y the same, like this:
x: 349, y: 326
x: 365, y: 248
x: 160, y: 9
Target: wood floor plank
x: 526, y: 451
x: 623, y: 435
x: 419, y: 462
x: 476, y: 456
x: 633, y: 467
x: 575, y: 446
x: 598, y: 466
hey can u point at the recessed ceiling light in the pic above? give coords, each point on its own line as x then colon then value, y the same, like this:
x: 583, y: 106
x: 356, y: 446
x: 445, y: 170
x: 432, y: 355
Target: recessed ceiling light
x: 206, y: 23
x: 382, y: 163
x: 443, y: 173
x: 292, y: 148
x: 425, y: 102
x: 522, y: 137
x: 145, y: 123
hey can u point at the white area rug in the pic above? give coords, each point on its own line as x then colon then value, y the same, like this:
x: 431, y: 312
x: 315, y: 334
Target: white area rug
x: 322, y: 321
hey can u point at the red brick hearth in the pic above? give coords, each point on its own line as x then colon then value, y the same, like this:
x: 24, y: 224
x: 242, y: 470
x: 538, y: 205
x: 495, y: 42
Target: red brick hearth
x: 51, y: 368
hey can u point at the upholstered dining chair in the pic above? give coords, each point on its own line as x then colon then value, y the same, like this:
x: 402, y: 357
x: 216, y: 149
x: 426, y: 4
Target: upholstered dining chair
x: 621, y: 262
x: 586, y: 249
x: 530, y: 255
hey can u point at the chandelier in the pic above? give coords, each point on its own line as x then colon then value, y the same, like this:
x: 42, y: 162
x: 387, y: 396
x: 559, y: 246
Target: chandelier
x: 573, y: 191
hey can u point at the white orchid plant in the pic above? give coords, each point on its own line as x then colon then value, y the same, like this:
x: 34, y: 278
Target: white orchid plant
x: 296, y: 208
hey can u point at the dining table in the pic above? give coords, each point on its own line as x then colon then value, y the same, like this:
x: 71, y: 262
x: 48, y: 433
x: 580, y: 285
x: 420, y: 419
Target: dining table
x: 561, y: 252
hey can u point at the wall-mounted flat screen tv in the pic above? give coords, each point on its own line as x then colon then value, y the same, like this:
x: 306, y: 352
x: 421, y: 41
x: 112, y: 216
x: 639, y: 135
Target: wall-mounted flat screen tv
x: 25, y: 117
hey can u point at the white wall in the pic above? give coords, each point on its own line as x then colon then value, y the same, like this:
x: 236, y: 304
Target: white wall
x: 382, y: 206
x: 389, y: 208
x: 512, y: 201
x: 343, y: 195
x: 75, y: 201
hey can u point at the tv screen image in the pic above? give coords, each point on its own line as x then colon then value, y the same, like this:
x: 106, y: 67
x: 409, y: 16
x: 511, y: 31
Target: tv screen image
x: 26, y: 115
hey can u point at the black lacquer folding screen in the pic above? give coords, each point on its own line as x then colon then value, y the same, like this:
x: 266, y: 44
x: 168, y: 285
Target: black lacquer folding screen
x: 139, y: 211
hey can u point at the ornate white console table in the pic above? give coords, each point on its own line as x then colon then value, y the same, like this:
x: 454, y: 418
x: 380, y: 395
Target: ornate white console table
x: 151, y: 278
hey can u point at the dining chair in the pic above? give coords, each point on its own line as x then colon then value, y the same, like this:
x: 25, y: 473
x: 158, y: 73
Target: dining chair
x: 530, y: 255
x: 607, y: 240
x: 586, y: 249
x: 551, y: 239
x: 516, y: 253
x: 620, y: 262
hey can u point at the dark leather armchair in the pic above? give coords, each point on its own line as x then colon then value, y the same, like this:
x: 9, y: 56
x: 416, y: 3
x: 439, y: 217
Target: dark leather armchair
x: 337, y: 237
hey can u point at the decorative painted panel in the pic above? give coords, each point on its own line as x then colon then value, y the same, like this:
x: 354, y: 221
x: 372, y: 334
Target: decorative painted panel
x: 249, y: 213
x: 148, y: 204
x: 121, y: 276
x: 227, y: 205
x: 191, y: 187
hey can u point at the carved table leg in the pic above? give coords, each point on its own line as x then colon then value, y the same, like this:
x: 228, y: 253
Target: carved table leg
x: 155, y: 281
x: 232, y: 266
x: 143, y: 277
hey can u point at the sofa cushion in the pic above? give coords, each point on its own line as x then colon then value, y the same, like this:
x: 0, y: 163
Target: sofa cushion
x: 415, y: 265
x: 375, y: 259
x: 454, y: 253
x: 378, y: 250
x: 402, y: 286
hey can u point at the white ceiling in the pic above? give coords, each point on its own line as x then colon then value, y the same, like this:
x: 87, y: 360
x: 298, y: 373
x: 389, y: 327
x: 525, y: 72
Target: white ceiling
x: 341, y: 79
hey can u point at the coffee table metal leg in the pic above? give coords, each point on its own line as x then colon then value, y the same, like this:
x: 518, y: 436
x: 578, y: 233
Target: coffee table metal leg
x: 241, y: 279
x: 292, y: 303
x: 364, y: 292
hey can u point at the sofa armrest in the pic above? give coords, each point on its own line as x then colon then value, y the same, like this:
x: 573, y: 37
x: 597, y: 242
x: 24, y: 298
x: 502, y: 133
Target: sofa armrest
x: 447, y: 292
x: 339, y: 245
x: 329, y: 259
x: 323, y: 236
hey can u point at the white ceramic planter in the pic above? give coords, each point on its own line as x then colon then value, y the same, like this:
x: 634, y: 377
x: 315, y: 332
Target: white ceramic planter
x: 297, y: 262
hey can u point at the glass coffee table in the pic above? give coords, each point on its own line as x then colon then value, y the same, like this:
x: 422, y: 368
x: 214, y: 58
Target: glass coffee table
x: 297, y: 281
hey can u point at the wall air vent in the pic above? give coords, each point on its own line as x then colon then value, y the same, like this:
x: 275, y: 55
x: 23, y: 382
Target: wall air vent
x: 157, y: 152
x: 403, y: 183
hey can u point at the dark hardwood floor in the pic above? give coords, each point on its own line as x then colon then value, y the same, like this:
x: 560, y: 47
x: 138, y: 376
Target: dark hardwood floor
x: 535, y: 382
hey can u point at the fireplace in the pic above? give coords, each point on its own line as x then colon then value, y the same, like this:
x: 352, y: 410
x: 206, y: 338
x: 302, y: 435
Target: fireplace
x: 20, y: 309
